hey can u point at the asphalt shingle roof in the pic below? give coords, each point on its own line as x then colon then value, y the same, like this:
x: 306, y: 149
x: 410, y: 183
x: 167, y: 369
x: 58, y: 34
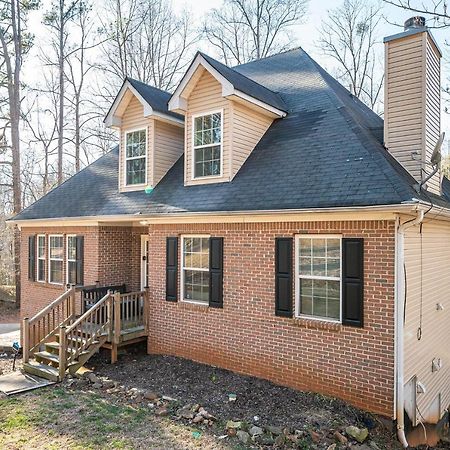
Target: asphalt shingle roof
x: 247, y: 85
x: 327, y: 152
x: 155, y: 97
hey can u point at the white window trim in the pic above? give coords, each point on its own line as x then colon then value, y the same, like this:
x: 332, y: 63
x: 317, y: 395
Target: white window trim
x: 183, y: 237
x: 298, y: 276
x: 38, y: 258
x: 125, y: 158
x: 67, y: 255
x: 55, y: 259
x: 193, y: 147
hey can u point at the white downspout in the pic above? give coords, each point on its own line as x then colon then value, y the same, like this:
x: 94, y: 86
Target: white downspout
x: 399, y: 325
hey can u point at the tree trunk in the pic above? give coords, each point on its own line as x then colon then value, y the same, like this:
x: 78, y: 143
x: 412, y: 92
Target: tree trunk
x: 61, y: 92
x: 77, y: 133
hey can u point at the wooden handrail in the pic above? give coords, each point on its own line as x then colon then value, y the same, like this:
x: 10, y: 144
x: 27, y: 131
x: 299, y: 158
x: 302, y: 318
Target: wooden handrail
x: 88, y: 313
x: 51, y: 306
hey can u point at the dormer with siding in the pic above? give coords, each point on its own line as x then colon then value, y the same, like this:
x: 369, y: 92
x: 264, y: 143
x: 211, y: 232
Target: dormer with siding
x: 151, y: 137
x: 226, y: 114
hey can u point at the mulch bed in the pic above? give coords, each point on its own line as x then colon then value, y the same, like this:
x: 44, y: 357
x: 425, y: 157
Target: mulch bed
x: 257, y: 401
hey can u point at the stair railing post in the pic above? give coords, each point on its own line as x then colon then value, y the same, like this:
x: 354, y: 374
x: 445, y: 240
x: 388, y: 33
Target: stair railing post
x: 26, y: 339
x: 62, y: 352
x: 117, y: 324
x: 146, y: 307
x: 109, y: 315
x: 72, y: 301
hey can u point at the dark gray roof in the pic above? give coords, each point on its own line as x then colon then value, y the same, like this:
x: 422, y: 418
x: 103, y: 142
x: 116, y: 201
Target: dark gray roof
x: 327, y: 152
x: 155, y: 97
x: 247, y: 85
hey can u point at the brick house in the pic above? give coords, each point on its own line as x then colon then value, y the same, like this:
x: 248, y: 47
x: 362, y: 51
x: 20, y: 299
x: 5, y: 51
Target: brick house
x: 281, y: 228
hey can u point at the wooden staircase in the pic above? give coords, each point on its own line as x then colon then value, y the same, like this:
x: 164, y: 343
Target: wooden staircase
x: 60, y: 342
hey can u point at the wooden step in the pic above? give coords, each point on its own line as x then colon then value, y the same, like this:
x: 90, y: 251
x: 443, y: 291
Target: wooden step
x: 41, y: 370
x: 46, y: 357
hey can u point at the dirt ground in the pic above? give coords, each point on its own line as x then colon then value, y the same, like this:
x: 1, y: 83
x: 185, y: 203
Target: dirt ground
x: 8, y: 311
x: 82, y: 414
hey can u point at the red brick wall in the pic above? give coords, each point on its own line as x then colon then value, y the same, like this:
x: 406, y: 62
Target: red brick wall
x: 245, y: 336
x: 36, y: 295
x: 111, y: 256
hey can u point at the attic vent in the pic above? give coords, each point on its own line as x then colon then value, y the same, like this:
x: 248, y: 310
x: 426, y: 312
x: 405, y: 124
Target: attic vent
x: 415, y: 22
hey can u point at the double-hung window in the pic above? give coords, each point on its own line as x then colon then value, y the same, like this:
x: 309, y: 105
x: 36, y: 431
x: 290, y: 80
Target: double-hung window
x: 56, y: 258
x: 71, y: 259
x: 40, y: 270
x: 195, y: 269
x: 207, y: 145
x: 135, y: 157
x: 318, y: 264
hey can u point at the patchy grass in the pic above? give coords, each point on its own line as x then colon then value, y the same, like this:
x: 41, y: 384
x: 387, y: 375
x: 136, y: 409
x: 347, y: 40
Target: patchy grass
x: 55, y: 418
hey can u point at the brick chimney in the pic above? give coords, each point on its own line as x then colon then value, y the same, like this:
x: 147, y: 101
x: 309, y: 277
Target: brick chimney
x: 412, y: 100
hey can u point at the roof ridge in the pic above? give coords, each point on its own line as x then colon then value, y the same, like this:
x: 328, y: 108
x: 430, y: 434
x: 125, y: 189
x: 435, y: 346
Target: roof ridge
x: 299, y: 47
x: 131, y: 80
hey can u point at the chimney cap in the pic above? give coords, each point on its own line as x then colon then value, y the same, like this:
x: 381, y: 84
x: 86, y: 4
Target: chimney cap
x: 415, y: 22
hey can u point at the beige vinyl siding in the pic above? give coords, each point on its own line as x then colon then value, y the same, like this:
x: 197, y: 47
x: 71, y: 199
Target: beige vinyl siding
x: 249, y: 127
x: 133, y: 119
x: 404, y: 119
x: 428, y: 283
x: 206, y: 97
x: 169, y: 146
x: 412, y: 103
x: 243, y: 127
x: 433, y: 108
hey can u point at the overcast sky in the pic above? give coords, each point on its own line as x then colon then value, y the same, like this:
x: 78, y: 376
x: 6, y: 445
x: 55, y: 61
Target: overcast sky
x: 304, y: 35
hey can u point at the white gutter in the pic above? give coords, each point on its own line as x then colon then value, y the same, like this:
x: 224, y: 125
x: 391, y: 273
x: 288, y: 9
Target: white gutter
x: 400, y: 290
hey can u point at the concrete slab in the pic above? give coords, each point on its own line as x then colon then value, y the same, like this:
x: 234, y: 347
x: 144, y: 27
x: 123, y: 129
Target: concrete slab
x: 17, y: 382
x: 9, y: 333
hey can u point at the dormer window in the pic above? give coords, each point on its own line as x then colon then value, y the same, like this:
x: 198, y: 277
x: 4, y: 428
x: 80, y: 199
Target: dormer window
x: 207, y: 140
x: 135, y: 157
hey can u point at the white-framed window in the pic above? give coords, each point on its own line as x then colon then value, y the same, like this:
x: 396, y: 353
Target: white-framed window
x: 136, y: 157
x: 40, y: 267
x: 207, y: 145
x: 55, y: 258
x: 195, y: 269
x: 71, y: 269
x: 318, y: 277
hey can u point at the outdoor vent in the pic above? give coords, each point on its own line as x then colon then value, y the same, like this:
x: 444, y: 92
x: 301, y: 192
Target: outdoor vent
x: 415, y: 22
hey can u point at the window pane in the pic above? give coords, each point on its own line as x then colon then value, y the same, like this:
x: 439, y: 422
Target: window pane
x: 56, y: 271
x: 135, y: 144
x: 333, y: 248
x: 305, y: 266
x: 56, y: 247
x: 333, y: 267
x: 72, y: 272
x: 41, y: 270
x: 318, y: 248
x: 136, y: 171
x: 319, y: 267
x: 41, y: 246
x: 305, y: 247
x: 71, y: 247
x: 196, y: 285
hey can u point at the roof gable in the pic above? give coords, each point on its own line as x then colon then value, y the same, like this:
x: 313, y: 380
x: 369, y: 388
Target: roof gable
x: 153, y: 100
x: 234, y: 86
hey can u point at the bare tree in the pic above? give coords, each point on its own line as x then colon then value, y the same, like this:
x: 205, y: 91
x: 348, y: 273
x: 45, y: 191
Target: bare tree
x: 14, y: 44
x: 146, y: 41
x: 244, y: 30
x: 349, y: 36
x: 436, y: 11
x: 57, y: 19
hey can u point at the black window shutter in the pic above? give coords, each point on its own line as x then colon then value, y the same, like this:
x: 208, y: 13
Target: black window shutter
x: 216, y: 272
x: 32, y: 258
x: 172, y: 269
x: 80, y: 260
x: 353, y: 282
x: 283, y: 277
